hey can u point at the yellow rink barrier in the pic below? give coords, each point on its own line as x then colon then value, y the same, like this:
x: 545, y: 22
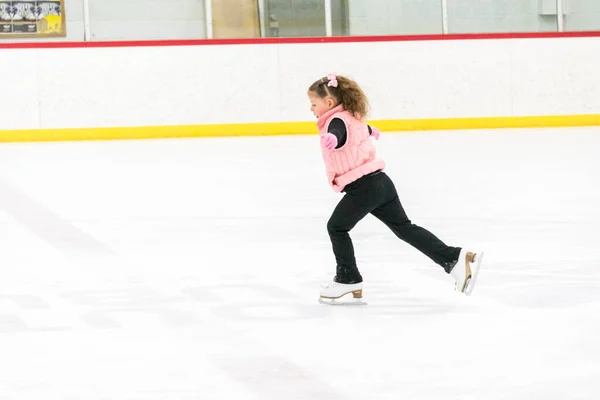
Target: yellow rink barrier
x: 290, y: 128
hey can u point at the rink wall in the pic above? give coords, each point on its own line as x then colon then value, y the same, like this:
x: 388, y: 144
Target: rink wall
x: 117, y: 90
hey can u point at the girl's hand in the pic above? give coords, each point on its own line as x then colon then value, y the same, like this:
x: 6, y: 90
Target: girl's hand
x: 375, y: 133
x: 329, y: 141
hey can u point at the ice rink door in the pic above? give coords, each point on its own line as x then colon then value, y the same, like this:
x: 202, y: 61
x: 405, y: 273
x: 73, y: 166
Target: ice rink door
x: 235, y: 19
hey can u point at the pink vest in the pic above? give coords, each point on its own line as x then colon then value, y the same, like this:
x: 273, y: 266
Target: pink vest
x: 356, y: 158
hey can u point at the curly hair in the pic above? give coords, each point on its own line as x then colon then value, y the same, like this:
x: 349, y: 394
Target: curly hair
x: 347, y: 93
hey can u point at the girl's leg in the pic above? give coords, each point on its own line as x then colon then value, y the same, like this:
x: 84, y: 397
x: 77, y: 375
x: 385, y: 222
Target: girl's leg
x: 350, y: 210
x: 393, y: 215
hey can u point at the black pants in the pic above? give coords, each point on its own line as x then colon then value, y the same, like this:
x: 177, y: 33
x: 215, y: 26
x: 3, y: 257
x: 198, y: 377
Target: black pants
x: 376, y: 194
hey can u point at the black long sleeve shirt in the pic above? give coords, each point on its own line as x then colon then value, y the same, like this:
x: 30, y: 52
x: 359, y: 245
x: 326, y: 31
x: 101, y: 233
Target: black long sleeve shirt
x: 337, y: 127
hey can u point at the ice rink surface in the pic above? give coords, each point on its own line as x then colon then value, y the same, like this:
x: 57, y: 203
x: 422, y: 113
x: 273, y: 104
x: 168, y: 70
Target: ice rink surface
x: 190, y: 269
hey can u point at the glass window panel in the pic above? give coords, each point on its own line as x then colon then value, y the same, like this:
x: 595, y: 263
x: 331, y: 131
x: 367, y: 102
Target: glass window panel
x: 147, y: 19
x: 294, y: 18
x: 581, y: 15
x: 340, y: 18
x: 488, y: 16
x: 388, y: 17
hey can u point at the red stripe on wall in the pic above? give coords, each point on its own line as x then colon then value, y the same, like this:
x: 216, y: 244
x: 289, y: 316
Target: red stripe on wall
x: 334, y: 39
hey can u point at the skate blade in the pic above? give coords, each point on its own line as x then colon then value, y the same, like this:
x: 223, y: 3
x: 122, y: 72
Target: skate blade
x: 340, y: 302
x: 474, y: 272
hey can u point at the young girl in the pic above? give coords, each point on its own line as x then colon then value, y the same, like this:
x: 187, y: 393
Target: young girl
x: 352, y: 167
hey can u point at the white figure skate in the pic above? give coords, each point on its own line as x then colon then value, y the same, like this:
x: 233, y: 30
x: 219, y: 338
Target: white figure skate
x: 332, y: 294
x: 466, y: 270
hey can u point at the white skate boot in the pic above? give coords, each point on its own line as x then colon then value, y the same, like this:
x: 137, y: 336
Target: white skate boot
x: 466, y: 270
x: 332, y: 292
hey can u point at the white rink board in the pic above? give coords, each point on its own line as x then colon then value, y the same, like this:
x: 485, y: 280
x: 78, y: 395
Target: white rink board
x: 148, y: 86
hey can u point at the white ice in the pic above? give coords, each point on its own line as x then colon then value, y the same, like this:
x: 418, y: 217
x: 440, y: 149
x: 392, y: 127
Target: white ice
x: 190, y: 269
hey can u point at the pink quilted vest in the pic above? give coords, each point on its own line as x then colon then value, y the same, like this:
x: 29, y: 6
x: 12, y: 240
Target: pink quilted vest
x: 356, y: 158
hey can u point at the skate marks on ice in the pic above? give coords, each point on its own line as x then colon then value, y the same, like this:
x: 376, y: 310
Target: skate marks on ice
x: 273, y: 377
x: 44, y: 223
x: 118, y: 307
x: 552, y: 285
x: 263, y: 336
x: 96, y: 309
x: 148, y: 306
x: 184, y: 305
x: 15, y: 322
x: 221, y: 324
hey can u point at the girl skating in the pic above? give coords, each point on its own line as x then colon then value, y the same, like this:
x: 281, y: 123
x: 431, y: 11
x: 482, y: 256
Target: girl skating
x: 352, y: 167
